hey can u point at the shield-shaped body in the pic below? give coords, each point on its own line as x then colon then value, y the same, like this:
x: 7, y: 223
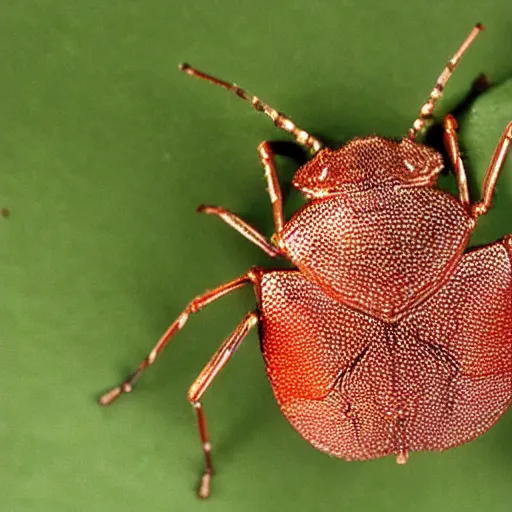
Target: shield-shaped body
x: 358, y: 387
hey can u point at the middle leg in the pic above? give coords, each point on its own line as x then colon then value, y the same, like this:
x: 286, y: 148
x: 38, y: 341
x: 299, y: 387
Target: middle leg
x: 194, y: 306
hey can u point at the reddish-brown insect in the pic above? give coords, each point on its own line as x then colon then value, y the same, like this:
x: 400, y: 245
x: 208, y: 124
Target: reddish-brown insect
x: 387, y: 338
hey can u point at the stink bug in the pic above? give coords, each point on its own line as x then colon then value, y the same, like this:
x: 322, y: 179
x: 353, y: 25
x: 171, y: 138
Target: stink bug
x: 386, y: 338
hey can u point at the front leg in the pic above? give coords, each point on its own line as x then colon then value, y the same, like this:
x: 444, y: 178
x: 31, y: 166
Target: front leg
x: 273, y: 187
x: 238, y: 224
x: 274, y: 190
x: 493, y: 171
x: 452, y: 146
x: 491, y: 175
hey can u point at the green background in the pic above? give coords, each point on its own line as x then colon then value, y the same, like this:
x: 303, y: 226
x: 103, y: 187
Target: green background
x: 106, y: 150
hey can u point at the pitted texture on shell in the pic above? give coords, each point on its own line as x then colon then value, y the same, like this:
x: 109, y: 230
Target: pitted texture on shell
x: 360, y: 388
x: 382, y: 250
x: 366, y: 163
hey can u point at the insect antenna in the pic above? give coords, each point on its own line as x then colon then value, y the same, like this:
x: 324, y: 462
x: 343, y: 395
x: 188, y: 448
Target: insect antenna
x: 427, y: 109
x: 280, y: 120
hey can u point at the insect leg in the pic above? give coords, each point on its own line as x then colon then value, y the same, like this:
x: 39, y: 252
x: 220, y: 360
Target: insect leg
x: 493, y: 171
x: 280, y: 120
x: 202, y: 383
x: 193, y: 307
x: 452, y: 146
x: 242, y: 227
x: 274, y: 189
x: 427, y: 109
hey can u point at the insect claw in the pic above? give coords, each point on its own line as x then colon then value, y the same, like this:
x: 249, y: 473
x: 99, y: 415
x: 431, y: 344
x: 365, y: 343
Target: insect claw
x: 125, y: 387
x: 111, y: 396
x: 204, y: 488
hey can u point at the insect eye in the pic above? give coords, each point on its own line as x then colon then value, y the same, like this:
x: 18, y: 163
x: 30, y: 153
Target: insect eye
x: 323, y: 174
x: 409, y: 166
